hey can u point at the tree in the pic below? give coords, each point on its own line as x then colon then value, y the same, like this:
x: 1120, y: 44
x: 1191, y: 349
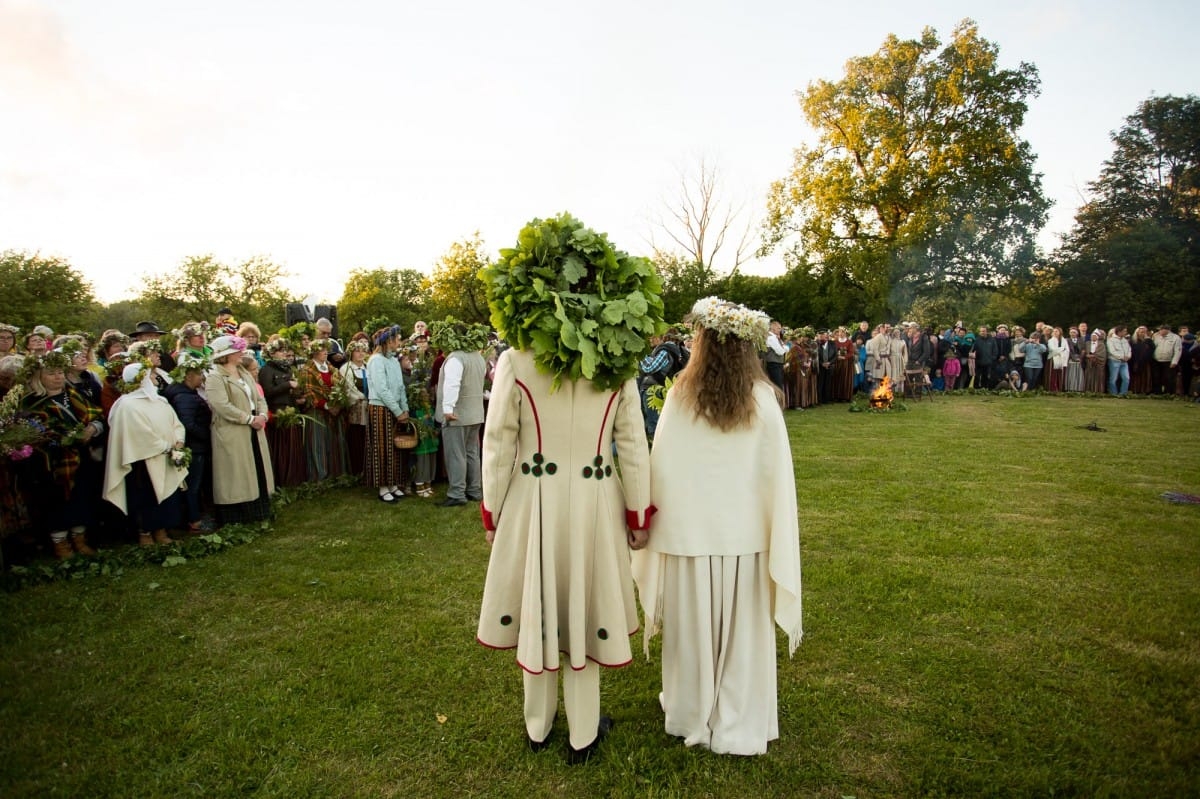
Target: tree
x: 121, y: 315
x: 398, y: 295
x: 202, y: 285
x: 701, y: 224
x: 1133, y: 254
x: 684, y: 281
x: 39, y: 290
x: 454, y: 286
x: 918, y: 177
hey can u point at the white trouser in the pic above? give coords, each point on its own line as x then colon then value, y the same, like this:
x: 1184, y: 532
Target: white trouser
x: 581, y: 698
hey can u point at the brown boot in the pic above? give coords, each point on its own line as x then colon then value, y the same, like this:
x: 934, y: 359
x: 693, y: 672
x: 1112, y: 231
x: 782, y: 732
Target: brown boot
x: 145, y: 540
x: 161, y: 537
x: 79, y: 540
x: 63, y: 549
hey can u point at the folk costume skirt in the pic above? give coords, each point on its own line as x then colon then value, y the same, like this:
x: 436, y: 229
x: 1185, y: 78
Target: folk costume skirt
x: 718, y: 653
x: 384, y: 466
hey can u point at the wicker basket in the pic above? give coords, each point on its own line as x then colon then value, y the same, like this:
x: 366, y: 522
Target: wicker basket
x: 406, y: 435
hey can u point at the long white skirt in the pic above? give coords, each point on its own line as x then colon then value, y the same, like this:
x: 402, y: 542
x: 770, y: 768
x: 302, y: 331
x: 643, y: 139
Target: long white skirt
x: 718, y: 656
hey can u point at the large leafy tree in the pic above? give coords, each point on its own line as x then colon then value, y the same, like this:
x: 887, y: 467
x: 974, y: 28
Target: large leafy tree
x: 41, y: 290
x: 398, y: 295
x: 1133, y: 255
x: 918, y: 178
x: 454, y: 285
x: 201, y: 285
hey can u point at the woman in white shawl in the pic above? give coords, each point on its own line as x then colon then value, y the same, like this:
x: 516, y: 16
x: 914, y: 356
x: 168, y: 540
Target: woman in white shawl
x: 145, y: 466
x: 722, y: 557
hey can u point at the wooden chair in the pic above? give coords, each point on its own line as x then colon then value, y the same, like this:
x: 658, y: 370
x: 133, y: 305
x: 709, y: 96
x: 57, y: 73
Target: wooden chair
x: 916, y: 386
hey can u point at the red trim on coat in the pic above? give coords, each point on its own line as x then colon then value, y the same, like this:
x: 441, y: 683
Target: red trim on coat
x: 604, y: 421
x: 489, y: 523
x: 632, y: 518
x: 533, y: 408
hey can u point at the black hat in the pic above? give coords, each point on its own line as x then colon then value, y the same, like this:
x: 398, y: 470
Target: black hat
x: 146, y: 327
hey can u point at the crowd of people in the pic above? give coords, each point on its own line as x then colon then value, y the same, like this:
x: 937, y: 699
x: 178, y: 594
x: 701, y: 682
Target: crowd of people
x: 149, y: 433
x: 135, y: 436
x: 813, y: 368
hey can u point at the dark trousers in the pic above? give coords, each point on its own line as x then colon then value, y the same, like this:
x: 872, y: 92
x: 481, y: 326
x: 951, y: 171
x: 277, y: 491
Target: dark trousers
x: 775, y: 372
x: 1163, y: 376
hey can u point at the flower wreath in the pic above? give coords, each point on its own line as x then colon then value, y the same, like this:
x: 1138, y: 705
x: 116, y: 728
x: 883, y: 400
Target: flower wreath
x: 140, y: 348
x: 188, y: 362
x: 193, y: 329
x: 381, y: 336
x: 728, y: 319
x: 133, y: 374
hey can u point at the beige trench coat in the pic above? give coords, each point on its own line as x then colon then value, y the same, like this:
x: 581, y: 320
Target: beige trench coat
x: 234, y: 480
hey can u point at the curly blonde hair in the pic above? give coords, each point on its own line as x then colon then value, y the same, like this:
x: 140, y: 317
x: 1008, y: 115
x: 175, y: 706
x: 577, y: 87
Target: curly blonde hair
x: 718, y: 382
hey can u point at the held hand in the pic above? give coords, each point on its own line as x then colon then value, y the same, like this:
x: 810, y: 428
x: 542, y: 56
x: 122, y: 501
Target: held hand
x: 637, y: 538
x: 489, y: 536
x: 451, y: 417
x: 258, y: 422
x: 402, y: 417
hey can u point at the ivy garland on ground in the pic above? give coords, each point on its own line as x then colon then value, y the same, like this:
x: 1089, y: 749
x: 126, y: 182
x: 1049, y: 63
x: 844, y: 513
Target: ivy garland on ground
x: 113, y: 562
x: 581, y: 306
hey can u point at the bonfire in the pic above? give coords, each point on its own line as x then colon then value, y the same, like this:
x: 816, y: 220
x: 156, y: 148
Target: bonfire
x: 881, y: 398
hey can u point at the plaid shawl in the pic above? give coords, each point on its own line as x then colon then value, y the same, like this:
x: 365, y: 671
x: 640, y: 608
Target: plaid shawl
x: 60, y: 459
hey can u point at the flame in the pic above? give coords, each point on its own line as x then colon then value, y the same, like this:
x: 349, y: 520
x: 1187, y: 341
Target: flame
x: 882, y: 397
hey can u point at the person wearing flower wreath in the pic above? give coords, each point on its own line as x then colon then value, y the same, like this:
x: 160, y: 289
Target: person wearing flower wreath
x: 151, y: 349
x: 354, y: 375
x: 243, y: 480
x: 723, y: 558
x: 147, y: 462
x: 8, y: 339
x: 79, y: 377
x: 193, y: 341
x: 387, y: 405
x: 458, y: 406
x: 325, y: 397
x: 842, y: 382
x: 285, y: 400
x: 65, y: 480
x: 196, y: 417
x: 559, y: 514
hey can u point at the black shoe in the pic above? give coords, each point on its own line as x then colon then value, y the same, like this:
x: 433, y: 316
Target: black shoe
x: 577, y: 757
x: 474, y: 499
x: 451, y: 503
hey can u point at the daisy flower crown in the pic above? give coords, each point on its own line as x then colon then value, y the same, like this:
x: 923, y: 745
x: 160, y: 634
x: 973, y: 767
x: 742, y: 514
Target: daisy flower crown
x: 728, y: 319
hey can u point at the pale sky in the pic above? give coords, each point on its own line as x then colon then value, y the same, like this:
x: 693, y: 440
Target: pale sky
x: 371, y: 133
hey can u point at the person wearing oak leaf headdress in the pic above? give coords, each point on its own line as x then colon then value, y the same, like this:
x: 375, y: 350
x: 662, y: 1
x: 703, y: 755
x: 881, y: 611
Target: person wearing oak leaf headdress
x: 458, y: 406
x: 561, y: 518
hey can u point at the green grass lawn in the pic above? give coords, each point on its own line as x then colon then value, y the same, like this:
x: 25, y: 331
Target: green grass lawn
x: 998, y: 603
